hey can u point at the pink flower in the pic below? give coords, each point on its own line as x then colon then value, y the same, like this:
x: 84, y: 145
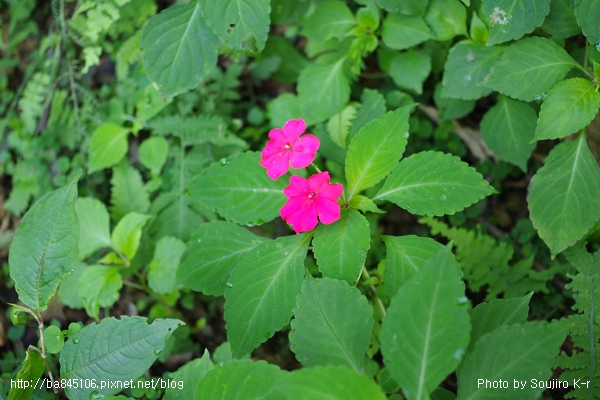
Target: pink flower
x: 311, y: 198
x: 286, y: 147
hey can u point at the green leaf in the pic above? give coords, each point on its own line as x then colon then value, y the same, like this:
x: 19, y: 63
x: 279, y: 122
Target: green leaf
x: 45, y: 246
x: 214, y: 250
x: 339, y: 125
x: 451, y: 108
x: 487, y: 317
x: 68, y: 291
x: 262, y: 290
x: 512, y: 353
x: 434, y: 183
x: 330, y: 19
x: 507, y: 129
x: 240, y: 190
x: 561, y: 21
x: 586, y: 12
x: 332, y: 324
x: 167, y: 43
x: 405, y: 256
x: 447, y: 19
x: 511, y: 19
x: 127, y: 192
x: 240, y: 379
x: 31, y: 371
x: 163, y: 267
x: 570, y: 106
x: 562, y: 195
x: 364, y: 204
x: 99, y: 286
x: 242, y: 25
x: 94, y: 225
x: 401, y: 31
x: 410, y: 69
x: 372, y: 107
x: 54, y: 339
x: 283, y: 108
x: 529, y: 68
x: 118, y: 350
x: 426, y: 330
x: 341, y: 248
x: 375, y: 150
x: 108, y: 146
x: 191, y: 374
x: 126, y: 235
x: 323, y: 90
x: 466, y: 67
x: 153, y: 153
x: 333, y: 382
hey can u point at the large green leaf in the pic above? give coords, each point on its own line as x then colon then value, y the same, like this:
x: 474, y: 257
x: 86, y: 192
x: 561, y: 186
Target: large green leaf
x: 341, y: 248
x: 332, y: 324
x: 516, y: 353
x: 488, y: 317
x: 508, y: 128
x: 570, y: 106
x: 118, y: 350
x: 240, y: 379
x: 178, y: 48
x: 127, y: 192
x: 191, y: 375
x: 333, y: 382
x: 94, y: 225
x: 108, y: 146
x: 511, y: 19
x: 467, y: 65
x: 164, y: 265
x: 434, y: 183
x: 446, y: 18
x: 323, y: 90
x: 588, y: 18
x: 31, y: 371
x: 561, y: 21
x: 126, y: 236
x: 99, y: 286
x: 153, y: 153
x: 405, y: 256
x: 372, y: 107
x: 426, y: 330
x: 401, y: 31
x: 529, y: 68
x: 214, y: 250
x: 563, y: 195
x: 240, y: 190
x: 261, y: 292
x: 45, y: 246
x: 410, y: 69
x: 375, y: 151
x: 330, y: 19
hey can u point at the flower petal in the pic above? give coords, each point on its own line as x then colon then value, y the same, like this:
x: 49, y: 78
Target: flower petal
x: 319, y: 182
x: 293, y: 129
x: 277, y: 137
x: 332, y: 191
x: 327, y: 210
x: 292, y: 206
x: 276, y: 165
x: 301, y: 213
x: 298, y: 187
x: 307, y: 144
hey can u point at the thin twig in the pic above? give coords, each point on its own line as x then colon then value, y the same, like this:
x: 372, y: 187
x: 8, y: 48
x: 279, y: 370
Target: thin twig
x: 377, y: 300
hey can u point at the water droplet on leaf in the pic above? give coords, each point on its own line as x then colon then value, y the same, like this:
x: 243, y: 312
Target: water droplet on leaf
x: 229, y: 284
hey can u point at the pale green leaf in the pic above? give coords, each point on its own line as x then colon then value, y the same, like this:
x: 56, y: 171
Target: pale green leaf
x: 372, y: 107
x: 127, y: 192
x: 240, y: 379
x: 191, y: 375
x: 332, y: 382
x: 32, y: 369
x: 570, y: 106
x: 401, y: 31
x: 94, y: 225
x: 511, y: 19
x: 68, y: 291
x: 153, y: 153
x: 364, y: 204
x: 240, y: 190
x: 446, y: 18
x: 178, y: 48
x: 341, y: 247
x: 332, y: 324
x: 323, y: 90
x: 45, y: 246
x: 426, y: 330
x: 588, y: 18
x: 126, y: 236
x: 405, y: 256
x: 529, y: 68
x: 99, y: 286
x: 339, y: 125
x: 163, y: 267
x: 261, y: 292
x: 434, y: 183
x: 214, y: 250
x: 513, y: 353
x: 283, y: 108
x: 563, y: 195
x: 410, y: 69
x: 330, y: 19
x: 108, y: 146
x: 466, y: 67
x: 54, y: 339
x: 149, y: 105
x: 118, y: 350
x: 242, y: 25
x: 561, y: 21
x: 375, y: 150
x: 507, y: 129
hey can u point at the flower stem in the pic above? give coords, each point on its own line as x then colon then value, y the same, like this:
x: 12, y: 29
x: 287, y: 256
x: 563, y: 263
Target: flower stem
x: 315, y: 167
x: 377, y: 300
